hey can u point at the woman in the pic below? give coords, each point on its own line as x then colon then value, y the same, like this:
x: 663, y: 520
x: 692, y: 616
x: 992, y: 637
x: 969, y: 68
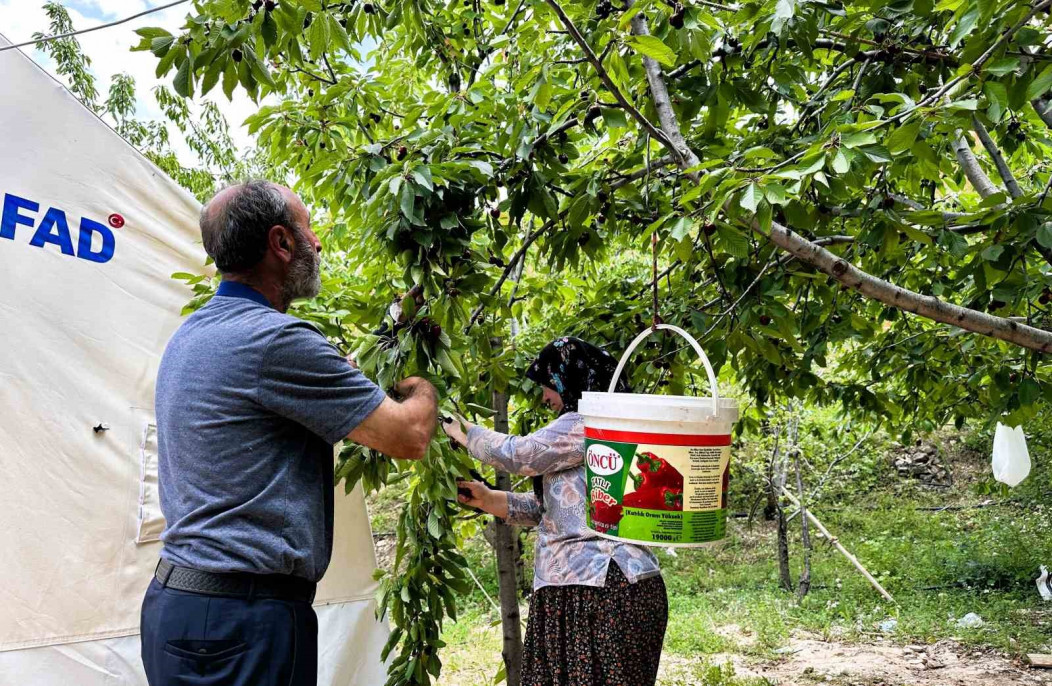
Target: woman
x: 599, y: 609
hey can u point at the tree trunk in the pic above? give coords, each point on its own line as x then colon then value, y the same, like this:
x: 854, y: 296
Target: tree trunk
x: 775, y: 485
x: 805, y: 534
x: 506, y: 548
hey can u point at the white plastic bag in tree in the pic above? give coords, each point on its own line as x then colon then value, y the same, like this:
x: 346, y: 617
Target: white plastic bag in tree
x: 1011, y: 461
x: 1044, y: 584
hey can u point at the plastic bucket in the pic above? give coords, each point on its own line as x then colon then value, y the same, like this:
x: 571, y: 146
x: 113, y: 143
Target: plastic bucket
x: 658, y: 465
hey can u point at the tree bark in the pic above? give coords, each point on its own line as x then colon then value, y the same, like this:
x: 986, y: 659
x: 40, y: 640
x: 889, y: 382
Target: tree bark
x: 999, y: 159
x: 805, y: 533
x: 775, y: 484
x: 662, y: 103
x: 894, y: 296
x: 1044, y: 110
x: 970, y: 166
x: 506, y: 548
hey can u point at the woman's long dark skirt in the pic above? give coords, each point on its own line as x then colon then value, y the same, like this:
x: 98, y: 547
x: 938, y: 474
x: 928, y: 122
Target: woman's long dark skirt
x: 588, y: 636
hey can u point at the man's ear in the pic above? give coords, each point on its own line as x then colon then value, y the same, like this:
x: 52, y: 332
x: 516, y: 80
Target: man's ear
x: 281, y: 242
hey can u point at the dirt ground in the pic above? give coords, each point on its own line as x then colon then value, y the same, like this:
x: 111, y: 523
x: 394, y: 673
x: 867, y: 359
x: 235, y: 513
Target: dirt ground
x: 810, y: 660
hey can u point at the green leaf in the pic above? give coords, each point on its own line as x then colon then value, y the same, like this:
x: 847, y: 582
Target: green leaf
x: 229, y: 79
x: 1044, y: 235
x: 151, y: 32
x: 422, y: 175
x: 876, y: 153
x: 652, y: 47
x: 855, y: 140
x: 444, y: 361
x: 733, y: 241
x: 269, y: 30
x: 845, y: 94
x: 1029, y: 391
x: 902, y: 138
x: 159, y: 46
x: 184, y: 78
x: 342, y: 39
x: 954, y: 243
x: 166, y: 62
x: 783, y: 12
x: 751, y: 197
x: 765, y: 216
x: 479, y: 409
x: 775, y: 193
x: 997, y: 95
x: 679, y: 228
x: 614, y: 117
x: 841, y: 164
x: 407, y: 201
x: 1005, y: 65
x: 1040, y: 85
x: 964, y: 26
x: 318, y: 36
x: 991, y: 253
x: 212, y: 75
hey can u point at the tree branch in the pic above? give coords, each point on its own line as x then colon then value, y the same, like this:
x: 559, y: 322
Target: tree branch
x: 894, y: 296
x: 659, y: 163
x: 314, y: 76
x: 999, y: 160
x: 970, y: 166
x: 510, y: 267
x: 604, y: 76
x: 977, y: 65
x: 683, y: 69
x: 1044, y: 110
x: 662, y: 102
x: 872, y: 286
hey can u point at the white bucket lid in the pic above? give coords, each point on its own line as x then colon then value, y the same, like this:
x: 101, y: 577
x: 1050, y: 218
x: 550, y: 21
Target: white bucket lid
x: 657, y: 408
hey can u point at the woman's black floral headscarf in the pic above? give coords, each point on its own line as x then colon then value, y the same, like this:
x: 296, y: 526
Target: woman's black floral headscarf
x: 570, y: 366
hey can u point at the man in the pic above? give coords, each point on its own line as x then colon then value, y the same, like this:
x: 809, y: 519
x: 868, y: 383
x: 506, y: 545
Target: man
x: 250, y: 402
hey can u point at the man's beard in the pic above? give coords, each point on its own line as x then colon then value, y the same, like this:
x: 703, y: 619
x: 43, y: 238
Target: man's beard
x: 304, y: 277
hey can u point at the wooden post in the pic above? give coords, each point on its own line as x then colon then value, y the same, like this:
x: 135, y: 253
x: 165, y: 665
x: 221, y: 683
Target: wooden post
x: 505, y: 544
x: 843, y: 551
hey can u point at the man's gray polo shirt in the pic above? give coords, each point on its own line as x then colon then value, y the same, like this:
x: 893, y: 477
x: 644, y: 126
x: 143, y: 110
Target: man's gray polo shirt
x: 249, y: 403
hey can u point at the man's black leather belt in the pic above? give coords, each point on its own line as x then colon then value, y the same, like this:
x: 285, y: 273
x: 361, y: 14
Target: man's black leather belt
x: 237, y: 585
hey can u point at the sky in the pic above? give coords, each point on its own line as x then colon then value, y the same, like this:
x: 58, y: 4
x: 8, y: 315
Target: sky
x: 109, y: 50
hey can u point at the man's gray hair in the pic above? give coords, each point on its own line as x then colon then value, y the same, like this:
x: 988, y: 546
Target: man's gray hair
x: 235, y: 231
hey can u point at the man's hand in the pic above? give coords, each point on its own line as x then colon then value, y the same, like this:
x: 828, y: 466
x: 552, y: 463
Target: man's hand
x: 403, y: 428
x: 406, y: 388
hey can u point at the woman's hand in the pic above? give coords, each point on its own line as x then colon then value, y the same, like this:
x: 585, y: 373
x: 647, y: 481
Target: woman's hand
x: 457, y: 429
x: 476, y: 494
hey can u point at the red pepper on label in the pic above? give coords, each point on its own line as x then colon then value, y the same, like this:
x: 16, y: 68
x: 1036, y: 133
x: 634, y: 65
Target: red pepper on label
x: 655, y: 472
x: 645, y: 498
x: 663, y: 498
x: 605, y: 517
x: 673, y: 498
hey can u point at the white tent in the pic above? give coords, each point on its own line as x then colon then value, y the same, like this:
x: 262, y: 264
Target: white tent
x: 90, y: 233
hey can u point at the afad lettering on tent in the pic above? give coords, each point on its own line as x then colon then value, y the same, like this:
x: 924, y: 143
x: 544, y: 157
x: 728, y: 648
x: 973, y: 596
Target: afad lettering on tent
x: 53, y: 228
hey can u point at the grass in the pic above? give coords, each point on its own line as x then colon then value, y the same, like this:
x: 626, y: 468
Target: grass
x: 938, y: 565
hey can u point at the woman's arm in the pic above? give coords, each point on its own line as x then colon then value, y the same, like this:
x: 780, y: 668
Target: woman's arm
x: 517, y: 509
x: 553, y: 448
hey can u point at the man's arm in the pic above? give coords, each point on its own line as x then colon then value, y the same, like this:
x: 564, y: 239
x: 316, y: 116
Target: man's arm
x: 401, y: 429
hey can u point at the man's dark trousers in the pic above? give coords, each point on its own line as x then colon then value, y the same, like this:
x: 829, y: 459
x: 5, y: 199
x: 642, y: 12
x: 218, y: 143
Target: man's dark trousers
x: 191, y: 639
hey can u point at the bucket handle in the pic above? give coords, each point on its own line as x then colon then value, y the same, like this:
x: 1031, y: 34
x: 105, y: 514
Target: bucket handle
x: 697, y: 348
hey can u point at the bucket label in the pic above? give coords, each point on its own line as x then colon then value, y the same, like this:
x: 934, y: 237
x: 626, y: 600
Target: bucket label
x: 657, y: 488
